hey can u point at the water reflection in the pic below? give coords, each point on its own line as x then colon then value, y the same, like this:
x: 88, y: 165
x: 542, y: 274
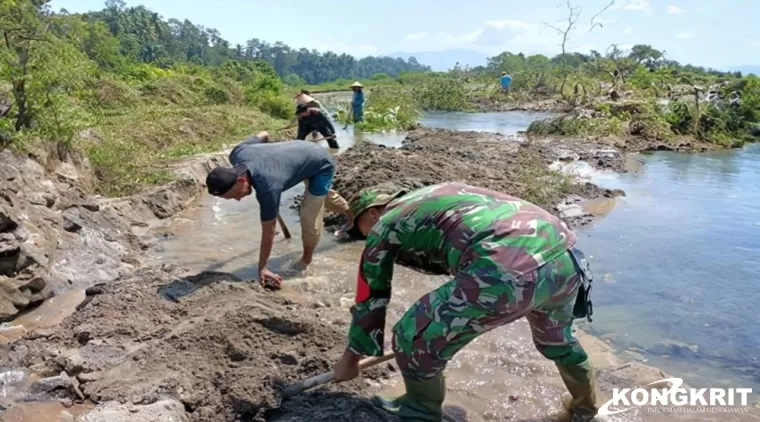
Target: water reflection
x: 682, y: 249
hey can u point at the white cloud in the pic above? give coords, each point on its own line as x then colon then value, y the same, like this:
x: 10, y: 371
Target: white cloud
x: 685, y: 35
x: 416, y: 36
x: 515, y: 35
x: 628, y: 31
x: 675, y: 10
x: 637, y: 5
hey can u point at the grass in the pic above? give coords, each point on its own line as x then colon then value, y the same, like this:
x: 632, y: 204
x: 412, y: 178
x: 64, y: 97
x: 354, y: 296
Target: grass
x: 132, y: 148
x: 540, y: 184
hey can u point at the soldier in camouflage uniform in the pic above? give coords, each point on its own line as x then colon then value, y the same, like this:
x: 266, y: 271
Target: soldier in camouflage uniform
x: 509, y: 259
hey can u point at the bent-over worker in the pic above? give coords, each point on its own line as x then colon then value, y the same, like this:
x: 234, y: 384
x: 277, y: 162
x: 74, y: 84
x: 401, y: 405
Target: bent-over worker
x: 508, y: 259
x: 312, y: 119
x: 270, y: 169
x: 304, y: 97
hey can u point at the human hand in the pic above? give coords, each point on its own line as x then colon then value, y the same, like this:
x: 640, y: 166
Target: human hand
x: 270, y: 279
x: 347, y: 368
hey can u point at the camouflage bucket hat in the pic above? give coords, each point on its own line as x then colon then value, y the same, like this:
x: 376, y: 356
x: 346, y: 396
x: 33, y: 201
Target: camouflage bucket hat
x: 366, y: 199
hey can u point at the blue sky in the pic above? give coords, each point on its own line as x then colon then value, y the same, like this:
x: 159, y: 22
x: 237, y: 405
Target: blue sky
x: 716, y: 33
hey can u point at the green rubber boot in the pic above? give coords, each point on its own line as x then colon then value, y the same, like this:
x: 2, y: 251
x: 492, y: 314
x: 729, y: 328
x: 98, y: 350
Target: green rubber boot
x: 580, y: 381
x: 423, y: 401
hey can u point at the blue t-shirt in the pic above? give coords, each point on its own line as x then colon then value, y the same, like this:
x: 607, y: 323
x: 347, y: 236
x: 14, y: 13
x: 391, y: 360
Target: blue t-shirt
x: 506, y: 80
x: 278, y: 167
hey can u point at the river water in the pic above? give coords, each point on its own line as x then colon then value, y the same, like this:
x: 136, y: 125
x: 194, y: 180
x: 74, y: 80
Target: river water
x: 675, y: 261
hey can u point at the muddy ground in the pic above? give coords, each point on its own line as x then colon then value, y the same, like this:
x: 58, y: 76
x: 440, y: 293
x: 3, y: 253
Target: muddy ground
x: 217, y: 345
x: 486, y: 104
x: 150, y: 344
x: 429, y: 156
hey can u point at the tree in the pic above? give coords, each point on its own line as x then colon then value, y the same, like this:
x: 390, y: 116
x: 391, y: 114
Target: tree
x: 574, y: 13
x: 40, y: 67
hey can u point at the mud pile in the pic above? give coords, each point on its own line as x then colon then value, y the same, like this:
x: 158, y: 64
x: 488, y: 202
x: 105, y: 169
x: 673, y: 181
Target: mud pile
x: 215, y: 344
x: 490, y: 160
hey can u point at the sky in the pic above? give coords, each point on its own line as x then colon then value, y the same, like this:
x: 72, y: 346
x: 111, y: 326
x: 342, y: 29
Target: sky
x: 712, y: 33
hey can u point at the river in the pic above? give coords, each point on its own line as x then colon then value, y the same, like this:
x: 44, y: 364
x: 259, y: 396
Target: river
x: 674, y: 262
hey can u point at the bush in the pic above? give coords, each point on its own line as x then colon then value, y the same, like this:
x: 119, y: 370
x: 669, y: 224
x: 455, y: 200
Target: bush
x: 385, y: 109
x: 271, y: 103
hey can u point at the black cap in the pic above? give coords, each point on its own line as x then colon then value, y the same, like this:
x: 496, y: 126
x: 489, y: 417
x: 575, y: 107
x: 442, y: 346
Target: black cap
x: 300, y: 108
x: 221, y: 179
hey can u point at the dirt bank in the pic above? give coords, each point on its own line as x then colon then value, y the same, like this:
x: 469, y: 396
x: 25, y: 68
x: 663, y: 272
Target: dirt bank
x: 485, y: 104
x: 490, y: 160
x: 55, y: 236
x: 215, y: 344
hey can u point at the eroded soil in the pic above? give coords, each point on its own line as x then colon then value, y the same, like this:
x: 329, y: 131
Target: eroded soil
x: 219, y: 345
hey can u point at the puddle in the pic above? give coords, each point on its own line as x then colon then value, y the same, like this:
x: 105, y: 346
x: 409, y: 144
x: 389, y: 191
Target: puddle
x: 49, y: 314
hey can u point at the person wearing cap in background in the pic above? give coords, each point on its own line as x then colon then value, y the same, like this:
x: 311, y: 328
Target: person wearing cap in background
x: 505, y: 81
x: 508, y: 258
x: 312, y: 119
x: 357, y: 102
x: 270, y: 169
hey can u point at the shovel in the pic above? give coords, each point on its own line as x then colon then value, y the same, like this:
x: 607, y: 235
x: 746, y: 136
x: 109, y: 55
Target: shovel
x: 315, y: 381
x: 323, y: 138
x: 284, y: 227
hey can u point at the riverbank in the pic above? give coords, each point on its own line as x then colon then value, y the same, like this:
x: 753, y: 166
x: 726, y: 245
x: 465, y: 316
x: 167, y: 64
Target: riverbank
x: 157, y: 342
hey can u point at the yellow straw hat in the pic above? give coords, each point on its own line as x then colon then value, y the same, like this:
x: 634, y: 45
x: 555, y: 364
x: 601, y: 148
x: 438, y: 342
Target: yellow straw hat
x: 357, y: 84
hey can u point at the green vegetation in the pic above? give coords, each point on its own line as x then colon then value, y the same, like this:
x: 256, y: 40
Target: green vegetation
x: 147, y: 90
x: 384, y: 109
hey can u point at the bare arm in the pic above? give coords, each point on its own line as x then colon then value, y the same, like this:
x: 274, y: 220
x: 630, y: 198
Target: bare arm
x: 267, y: 241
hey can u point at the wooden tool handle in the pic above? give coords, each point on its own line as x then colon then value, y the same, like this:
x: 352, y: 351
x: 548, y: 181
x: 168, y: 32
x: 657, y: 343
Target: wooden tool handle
x: 284, y: 227
x: 329, y: 376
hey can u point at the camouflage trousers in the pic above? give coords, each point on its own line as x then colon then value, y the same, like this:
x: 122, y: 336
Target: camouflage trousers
x: 445, y: 320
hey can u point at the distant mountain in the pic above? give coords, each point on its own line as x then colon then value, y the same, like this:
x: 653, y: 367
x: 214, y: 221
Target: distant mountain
x: 445, y: 60
x: 744, y: 69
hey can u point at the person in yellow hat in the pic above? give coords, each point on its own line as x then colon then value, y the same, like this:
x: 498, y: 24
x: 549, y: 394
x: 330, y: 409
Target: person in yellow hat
x: 304, y: 97
x: 357, y: 102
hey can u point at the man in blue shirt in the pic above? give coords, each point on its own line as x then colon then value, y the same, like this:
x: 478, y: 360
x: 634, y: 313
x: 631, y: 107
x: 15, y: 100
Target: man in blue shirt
x: 506, y: 81
x: 270, y: 169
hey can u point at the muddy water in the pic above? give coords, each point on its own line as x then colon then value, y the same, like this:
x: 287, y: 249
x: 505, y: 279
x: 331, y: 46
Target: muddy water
x: 656, y: 261
x: 498, y: 373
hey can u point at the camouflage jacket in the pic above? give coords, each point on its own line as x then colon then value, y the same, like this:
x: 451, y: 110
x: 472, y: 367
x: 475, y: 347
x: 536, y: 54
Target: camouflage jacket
x: 441, y: 229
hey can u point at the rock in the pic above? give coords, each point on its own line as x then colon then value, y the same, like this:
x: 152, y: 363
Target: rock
x: 570, y: 210
x: 74, y: 364
x: 90, y: 206
x: 70, y: 225
x: 88, y: 377
x: 163, y: 411
x: 47, y: 385
x: 288, y: 358
x: 7, y: 223
x: 83, y: 333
